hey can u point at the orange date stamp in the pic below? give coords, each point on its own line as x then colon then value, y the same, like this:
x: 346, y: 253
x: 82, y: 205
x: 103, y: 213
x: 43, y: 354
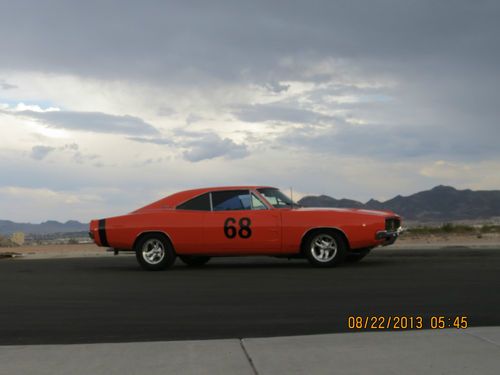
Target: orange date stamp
x: 402, y: 322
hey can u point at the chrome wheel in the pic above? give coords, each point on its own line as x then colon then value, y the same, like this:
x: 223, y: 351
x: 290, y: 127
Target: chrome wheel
x: 153, y: 251
x: 323, y: 248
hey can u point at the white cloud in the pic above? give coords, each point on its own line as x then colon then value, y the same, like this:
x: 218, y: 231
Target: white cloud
x: 446, y: 170
x: 477, y: 175
x: 21, y: 107
x: 49, y: 204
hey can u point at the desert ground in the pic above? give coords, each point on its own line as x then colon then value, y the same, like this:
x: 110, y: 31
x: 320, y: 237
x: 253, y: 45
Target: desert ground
x: 405, y: 241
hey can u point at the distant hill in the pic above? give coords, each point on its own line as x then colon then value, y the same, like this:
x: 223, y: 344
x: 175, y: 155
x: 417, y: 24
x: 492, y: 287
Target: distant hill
x: 47, y: 227
x: 442, y: 203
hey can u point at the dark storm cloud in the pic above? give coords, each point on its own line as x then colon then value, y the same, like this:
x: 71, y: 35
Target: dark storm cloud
x: 280, y: 113
x: 390, y: 143
x: 444, y: 57
x: 40, y: 152
x: 199, y: 145
x: 210, y: 145
x: 276, y: 87
x: 205, y: 145
x: 160, y: 40
x: 4, y: 85
x: 154, y: 140
x: 90, y: 121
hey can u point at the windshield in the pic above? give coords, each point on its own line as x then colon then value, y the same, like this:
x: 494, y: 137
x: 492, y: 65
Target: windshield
x: 276, y: 198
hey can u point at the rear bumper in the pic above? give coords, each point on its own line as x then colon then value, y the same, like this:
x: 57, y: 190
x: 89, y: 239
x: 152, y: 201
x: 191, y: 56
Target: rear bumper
x: 388, y: 237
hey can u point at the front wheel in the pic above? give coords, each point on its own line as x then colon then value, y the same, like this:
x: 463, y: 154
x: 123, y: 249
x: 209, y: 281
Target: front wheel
x: 325, y: 248
x: 194, y: 260
x: 154, y: 252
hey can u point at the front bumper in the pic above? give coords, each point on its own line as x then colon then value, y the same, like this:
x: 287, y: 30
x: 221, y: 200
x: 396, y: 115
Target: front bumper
x: 387, y: 236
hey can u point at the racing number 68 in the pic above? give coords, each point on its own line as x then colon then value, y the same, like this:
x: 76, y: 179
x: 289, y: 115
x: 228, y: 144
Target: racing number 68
x: 231, y: 231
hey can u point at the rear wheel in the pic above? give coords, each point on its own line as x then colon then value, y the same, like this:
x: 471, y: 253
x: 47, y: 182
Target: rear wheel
x: 194, y: 260
x: 356, y: 255
x: 325, y: 248
x: 154, y: 252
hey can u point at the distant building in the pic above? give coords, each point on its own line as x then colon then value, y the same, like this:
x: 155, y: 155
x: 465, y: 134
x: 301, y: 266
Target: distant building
x: 18, y: 238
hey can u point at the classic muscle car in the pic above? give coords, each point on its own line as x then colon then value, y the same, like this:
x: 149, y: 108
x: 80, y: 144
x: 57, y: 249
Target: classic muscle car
x: 196, y: 225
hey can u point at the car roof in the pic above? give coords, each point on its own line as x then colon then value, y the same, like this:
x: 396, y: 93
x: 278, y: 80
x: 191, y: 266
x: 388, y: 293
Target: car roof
x: 182, y: 196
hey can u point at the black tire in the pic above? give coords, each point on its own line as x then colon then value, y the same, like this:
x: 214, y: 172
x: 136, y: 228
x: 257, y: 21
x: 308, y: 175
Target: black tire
x: 194, y: 260
x: 334, y: 250
x: 154, y: 252
x: 356, y: 255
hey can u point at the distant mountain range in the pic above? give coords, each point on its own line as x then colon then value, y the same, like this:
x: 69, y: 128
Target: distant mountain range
x: 47, y: 227
x: 442, y: 203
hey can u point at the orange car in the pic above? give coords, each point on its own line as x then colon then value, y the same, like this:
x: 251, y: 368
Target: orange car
x: 243, y: 220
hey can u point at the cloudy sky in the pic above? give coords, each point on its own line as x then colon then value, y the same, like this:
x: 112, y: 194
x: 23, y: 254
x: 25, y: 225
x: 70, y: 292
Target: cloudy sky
x: 108, y: 105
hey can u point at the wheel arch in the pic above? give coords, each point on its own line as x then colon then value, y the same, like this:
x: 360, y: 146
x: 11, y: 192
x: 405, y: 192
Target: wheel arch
x: 311, y: 231
x: 147, y: 232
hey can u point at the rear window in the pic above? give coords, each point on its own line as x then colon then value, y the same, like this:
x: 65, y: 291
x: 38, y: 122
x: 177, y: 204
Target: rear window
x: 200, y: 203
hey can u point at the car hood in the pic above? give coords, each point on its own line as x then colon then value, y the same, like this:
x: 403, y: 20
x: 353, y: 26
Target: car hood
x: 351, y: 210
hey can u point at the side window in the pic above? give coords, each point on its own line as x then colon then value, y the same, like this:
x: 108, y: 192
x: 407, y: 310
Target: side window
x: 257, y: 203
x: 200, y: 203
x: 231, y: 200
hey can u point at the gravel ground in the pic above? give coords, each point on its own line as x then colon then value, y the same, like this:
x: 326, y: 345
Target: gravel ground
x: 54, y: 251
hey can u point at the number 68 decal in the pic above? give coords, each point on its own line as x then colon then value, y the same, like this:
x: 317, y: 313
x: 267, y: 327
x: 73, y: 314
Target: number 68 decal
x: 231, y: 231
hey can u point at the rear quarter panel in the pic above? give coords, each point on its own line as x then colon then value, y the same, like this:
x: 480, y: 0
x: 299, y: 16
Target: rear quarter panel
x: 180, y: 226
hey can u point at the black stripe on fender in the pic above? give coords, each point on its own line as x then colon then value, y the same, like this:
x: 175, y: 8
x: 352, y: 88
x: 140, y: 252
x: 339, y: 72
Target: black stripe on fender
x: 102, y: 232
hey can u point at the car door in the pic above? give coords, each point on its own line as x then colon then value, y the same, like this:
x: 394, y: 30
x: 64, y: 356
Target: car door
x: 240, y: 223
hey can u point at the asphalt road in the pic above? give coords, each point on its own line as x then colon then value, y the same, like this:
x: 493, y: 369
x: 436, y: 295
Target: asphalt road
x: 112, y: 300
